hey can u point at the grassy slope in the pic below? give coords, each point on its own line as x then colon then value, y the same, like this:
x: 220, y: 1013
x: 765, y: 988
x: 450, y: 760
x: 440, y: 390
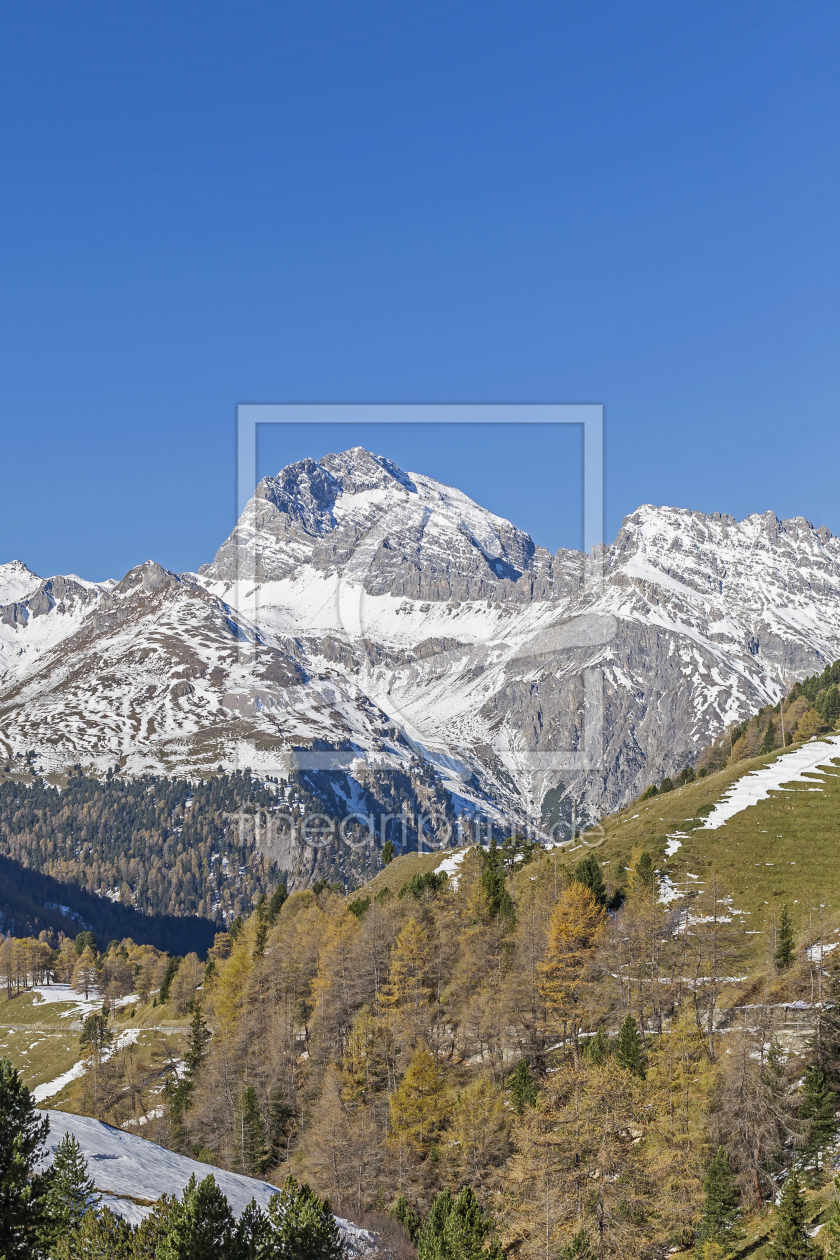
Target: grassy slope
x: 50, y: 1049
x: 781, y: 850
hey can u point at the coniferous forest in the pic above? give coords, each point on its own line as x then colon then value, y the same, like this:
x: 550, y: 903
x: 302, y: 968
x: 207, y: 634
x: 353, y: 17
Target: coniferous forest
x: 162, y: 846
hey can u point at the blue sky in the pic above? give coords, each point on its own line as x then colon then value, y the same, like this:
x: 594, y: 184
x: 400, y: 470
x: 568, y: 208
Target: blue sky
x: 206, y: 204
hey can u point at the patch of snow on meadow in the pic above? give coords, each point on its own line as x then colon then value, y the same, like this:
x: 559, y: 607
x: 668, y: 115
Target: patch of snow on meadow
x: 50, y: 1088
x: 789, y: 768
x: 451, y: 864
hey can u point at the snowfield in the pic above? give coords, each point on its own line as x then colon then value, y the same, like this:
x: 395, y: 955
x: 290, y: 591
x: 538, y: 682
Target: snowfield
x: 794, y: 767
x: 132, y: 1173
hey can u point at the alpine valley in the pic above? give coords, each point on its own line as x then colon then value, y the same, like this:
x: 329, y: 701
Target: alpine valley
x: 396, y: 648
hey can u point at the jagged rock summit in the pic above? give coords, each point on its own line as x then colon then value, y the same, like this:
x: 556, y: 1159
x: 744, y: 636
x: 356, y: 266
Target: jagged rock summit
x: 362, y: 608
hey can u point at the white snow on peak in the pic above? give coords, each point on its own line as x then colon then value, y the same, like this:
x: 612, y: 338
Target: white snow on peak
x: 793, y: 767
x: 16, y: 582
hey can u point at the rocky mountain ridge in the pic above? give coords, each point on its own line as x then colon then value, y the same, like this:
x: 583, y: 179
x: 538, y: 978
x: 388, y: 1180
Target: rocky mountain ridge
x: 362, y: 623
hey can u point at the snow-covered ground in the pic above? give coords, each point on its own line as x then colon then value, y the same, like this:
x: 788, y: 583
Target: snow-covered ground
x: 793, y: 767
x: 49, y: 1089
x: 133, y: 1173
x: 81, y: 1005
x: 451, y: 866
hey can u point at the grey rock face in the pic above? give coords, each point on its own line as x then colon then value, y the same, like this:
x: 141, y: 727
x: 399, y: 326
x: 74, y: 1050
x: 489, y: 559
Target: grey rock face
x: 361, y: 608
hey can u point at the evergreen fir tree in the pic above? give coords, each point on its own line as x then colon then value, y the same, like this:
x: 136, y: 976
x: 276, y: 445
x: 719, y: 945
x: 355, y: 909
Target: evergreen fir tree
x: 250, y: 1235
x: 301, y: 1226
x: 457, y: 1229
x: 598, y: 1049
x: 522, y: 1087
x: 253, y: 1150
x: 768, y: 743
x: 784, y: 941
x: 22, y: 1135
x: 818, y: 1110
x: 493, y: 883
x: 278, y: 898
x: 722, y: 1204
x: 70, y: 1191
x: 831, y: 1232
x: 179, y: 1094
x: 645, y: 874
x: 99, y: 1236
x: 280, y: 1115
x: 202, y: 1224
x: 588, y: 873
x: 580, y: 1248
x: 630, y: 1048
x: 387, y: 852
x: 154, y: 1228
x: 408, y: 1216
x: 261, y: 934
x: 790, y: 1241
x: 169, y: 976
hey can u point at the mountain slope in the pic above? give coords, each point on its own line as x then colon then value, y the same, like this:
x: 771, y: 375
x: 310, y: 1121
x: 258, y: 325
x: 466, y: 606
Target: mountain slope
x: 379, y: 613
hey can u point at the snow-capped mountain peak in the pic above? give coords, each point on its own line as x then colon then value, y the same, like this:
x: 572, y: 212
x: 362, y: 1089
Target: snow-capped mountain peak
x: 359, y: 607
x: 16, y: 582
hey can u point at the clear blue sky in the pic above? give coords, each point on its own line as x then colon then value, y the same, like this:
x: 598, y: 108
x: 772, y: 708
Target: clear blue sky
x: 205, y: 204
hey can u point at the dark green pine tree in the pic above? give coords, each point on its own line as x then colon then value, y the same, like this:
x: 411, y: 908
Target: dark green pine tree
x: 588, y: 873
x: 818, y: 1110
x: 784, y: 941
x: 22, y: 1136
x: 630, y: 1048
x: 275, y: 905
x: 201, y: 1225
x: 301, y: 1226
x: 522, y: 1087
x: 722, y: 1204
x: 154, y: 1228
x: 831, y: 1232
x: 168, y: 976
x: 70, y: 1191
x: 580, y: 1248
x: 408, y: 1216
x: 768, y: 743
x: 457, y: 1229
x: 263, y: 928
x: 280, y: 1117
x: 598, y: 1049
x: 100, y: 1236
x: 254, y: 1154
x: 645, y: 874
x: 493, y: 883
x: 251, y: 1235
x: 179, y: 1094
x: 830, y: 706
x: 790, y: 1241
